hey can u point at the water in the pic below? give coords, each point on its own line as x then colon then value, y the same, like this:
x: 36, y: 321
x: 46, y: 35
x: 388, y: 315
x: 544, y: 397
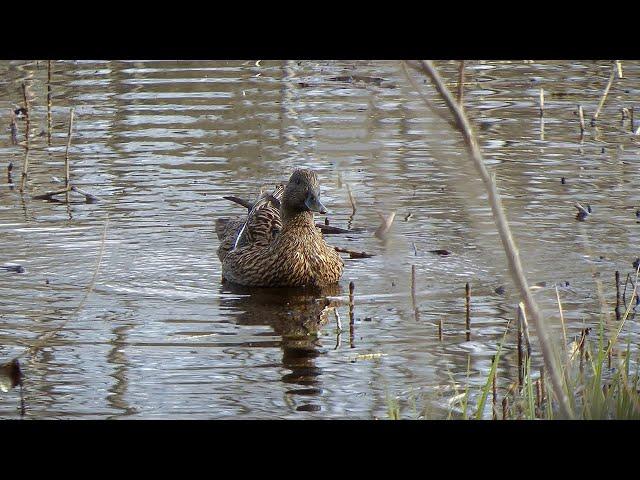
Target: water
x: 160, y: 143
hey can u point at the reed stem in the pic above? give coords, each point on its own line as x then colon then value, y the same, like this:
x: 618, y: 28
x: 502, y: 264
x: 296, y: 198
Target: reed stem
x: 513, y: 257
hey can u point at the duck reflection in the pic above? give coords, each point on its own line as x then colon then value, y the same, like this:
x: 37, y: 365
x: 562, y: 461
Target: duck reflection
x: 297, y: 316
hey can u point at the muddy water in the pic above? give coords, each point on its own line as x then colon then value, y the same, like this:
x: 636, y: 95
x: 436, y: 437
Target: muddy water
x: 160, y: 143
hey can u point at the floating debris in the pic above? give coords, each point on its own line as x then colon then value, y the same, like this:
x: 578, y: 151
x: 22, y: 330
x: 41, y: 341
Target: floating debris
x: 13, y: 268
x: 441, y: 252
x: 367, y: 356
x: 353, y: 253
x: 500, y: 290
x: 583, y: 213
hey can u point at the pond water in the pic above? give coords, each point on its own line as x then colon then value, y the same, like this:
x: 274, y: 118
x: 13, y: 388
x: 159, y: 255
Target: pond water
x: 161, y: 142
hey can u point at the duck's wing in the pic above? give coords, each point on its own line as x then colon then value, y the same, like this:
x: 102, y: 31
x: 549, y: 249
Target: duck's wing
x: 263, y: 220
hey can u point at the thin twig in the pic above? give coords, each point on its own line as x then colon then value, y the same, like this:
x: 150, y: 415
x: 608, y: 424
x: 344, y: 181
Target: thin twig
x: 43, y: 339
x: 513, y: 257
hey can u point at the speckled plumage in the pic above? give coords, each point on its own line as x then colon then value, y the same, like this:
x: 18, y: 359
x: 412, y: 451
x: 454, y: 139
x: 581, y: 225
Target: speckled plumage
x: 278, y: 245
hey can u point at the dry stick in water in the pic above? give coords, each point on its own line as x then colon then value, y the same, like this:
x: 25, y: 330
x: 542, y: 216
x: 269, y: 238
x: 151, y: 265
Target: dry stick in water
x: 617, y: 310
x: 351, y: 317
x: 505, y: 407
x: 67, y: 182
x: 604, y: 96
x: 513, y: 257
x: 520, y: 350
x: 467, y: 305
x: 461, y: 83
x: 353, y: 253
x: 49, y: 102
x: 27, y: 135
x: 494, y: 388
x: 522, y: 317
x: 416, y: 314
x: 14, y: 128
x: 541, y: 114
x: 619, y: 67
x: 352, y: 200
x: 581, y: 115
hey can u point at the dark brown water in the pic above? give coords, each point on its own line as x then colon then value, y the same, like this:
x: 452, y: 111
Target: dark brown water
x: 160, y: 143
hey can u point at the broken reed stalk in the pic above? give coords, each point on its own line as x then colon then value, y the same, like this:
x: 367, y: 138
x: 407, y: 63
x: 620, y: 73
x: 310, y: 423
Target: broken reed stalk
x: 467, y: 304
x: 351, y: 200
x: 66, y: 152
x: 49, y: 102
x: 14, y: 128
x: 27, y: 136
x: 440, y: 328
x: 541, y: 102
x: 520, y: 351
x: 511, y: 251
x: 461, y: 83
x: 522, y: 317
x: 494, y: 390
x: 631, y: 119
x: 617, y: 309
x: 581, y: 115
x: 413, y: 293
x: 619, y: 67
x: 338, y: 320
x: 351, y: 317
x: 505, y: 407
x: 604, y: 95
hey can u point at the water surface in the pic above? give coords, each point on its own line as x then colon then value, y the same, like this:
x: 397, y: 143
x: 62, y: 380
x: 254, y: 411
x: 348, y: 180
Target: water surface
x: 160, y: 143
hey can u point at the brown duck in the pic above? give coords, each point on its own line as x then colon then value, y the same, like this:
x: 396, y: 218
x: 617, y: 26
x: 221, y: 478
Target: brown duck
x: 278, y: 244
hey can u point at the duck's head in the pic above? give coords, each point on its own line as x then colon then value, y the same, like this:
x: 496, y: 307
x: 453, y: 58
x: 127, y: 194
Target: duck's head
x: 302, y: 193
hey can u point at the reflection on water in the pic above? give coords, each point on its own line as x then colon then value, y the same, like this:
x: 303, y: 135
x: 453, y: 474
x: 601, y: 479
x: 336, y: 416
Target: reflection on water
x: 296, y: 316
x: 161, y: 142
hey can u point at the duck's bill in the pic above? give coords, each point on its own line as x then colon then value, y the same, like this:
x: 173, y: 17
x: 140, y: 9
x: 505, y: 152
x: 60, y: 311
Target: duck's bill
x: 314, y: 205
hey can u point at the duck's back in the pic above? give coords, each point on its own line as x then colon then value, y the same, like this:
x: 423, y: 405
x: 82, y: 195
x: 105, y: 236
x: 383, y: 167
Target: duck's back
x: 260, y: 227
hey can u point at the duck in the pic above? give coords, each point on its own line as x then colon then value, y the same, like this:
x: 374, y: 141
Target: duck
x: 278, y: 244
